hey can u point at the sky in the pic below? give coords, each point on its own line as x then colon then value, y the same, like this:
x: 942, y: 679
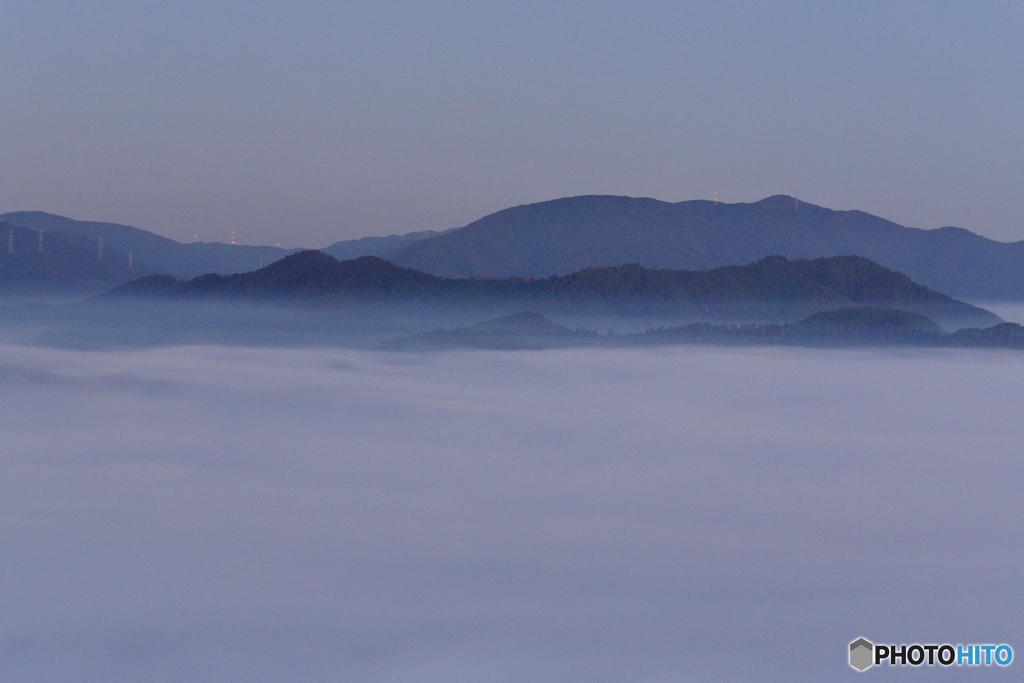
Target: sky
x: 676, y: 514
x: 304, y: 123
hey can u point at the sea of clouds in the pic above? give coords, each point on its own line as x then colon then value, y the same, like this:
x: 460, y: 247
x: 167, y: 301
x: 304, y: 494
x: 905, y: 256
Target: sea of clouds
x: 675, y: 514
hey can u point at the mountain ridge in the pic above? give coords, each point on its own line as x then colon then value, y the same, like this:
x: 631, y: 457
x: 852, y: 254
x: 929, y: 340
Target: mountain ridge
x: 36, y: 265
x: 160, y: 253
x: 770, y: 289
x: 841, y: 328
x: 563, y: 235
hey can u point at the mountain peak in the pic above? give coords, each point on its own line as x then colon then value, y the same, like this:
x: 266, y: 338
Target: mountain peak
x: 304, y: 258
x: 568, y: 235
x: 785, y: 201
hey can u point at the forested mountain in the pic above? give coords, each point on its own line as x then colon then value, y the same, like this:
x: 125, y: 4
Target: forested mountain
x: 773, y: 288
x: 161, y: 254
x: 566, y: 235
x: 845, y: 327
x: 36, y: 265
x: 569, y: 235
x: 376, y: 246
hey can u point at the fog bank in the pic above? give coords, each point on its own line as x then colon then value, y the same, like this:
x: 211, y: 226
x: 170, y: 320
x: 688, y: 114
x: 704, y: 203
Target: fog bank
x: 677, y: 514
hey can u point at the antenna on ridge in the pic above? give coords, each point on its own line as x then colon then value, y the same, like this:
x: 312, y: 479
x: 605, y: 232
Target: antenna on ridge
x: 195, y: 237
x: 233, y: 241
x: 716, y: 198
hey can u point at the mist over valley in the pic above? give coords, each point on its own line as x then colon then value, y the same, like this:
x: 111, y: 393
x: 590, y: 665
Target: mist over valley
x: 533, y: 342
x: 608, y: 515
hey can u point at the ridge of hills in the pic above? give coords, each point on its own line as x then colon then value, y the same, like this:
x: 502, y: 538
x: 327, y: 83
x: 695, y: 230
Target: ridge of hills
x: 161, y: 254
x: 840, y: 328
x: 151, y: 253
x: 774, y: 288
x: 377, y: 246
x: 568, y: 234
x: 34, y: 265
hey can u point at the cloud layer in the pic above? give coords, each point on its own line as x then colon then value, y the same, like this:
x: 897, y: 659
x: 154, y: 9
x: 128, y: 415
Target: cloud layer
x: 218, y: 513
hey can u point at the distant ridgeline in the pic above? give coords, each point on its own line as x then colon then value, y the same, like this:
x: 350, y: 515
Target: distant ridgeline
x: 73, y: 261
x: 772, y: 289
x: 842, y: 328
x: 567, y: 235
x: 36, y: 262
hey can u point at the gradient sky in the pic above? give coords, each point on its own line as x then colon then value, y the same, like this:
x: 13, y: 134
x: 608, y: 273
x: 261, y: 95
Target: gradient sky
x: 303, y: 123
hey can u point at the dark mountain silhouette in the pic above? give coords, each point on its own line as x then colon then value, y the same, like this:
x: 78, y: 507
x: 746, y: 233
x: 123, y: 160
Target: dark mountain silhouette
x: 526, y: 330
x: 842, y: 327
x: 1004, y: 335
x: 376, y: 246
x: 310, y: 276
x: 34, y: 265
x: 863, y: 326
x: 847, y: 327
x: 161, y: 254
x: 773, y: 288
x: 567, y: 235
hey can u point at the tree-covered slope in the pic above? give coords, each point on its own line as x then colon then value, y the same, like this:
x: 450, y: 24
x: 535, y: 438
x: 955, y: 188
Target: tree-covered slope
x: 567, y: 235
x: 60, y: 265
x: 163, y: 255
x: 773, y: 288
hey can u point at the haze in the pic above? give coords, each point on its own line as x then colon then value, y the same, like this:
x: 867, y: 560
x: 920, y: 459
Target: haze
x: 681, y: 514
x: 221, y: 493
x: 310, y: 122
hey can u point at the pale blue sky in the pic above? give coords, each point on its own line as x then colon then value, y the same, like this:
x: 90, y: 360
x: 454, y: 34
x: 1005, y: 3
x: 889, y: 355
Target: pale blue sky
x: 308, y: 122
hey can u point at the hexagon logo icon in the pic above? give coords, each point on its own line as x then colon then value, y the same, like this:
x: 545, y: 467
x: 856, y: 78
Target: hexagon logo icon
x: 862, y: 654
